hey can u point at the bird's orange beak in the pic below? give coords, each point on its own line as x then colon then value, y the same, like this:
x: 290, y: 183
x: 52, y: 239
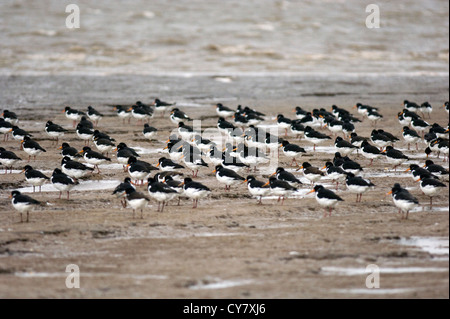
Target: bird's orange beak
x: 408, y: 170
x: 60, y: 148
x: 389, y: 193
x: 324, y: 167
x: 214, y: 171
x: 244, y: 182
x: 383, y: 151
x: 157, y: 165
x: 311, y: 191
x: 129, y: 109
x: 273, y: 174
x: 266, y: 184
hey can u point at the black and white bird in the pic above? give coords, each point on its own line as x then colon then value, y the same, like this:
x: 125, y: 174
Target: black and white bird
x: 297, y: 128
x: 195, y: 190
x: 203, y: 144
x: 31, y: 147
x: 75, y: 169
x: 19, y: 134
x: 233, y: 162
x: 85, y: 133
x: 5, y: 128
x: 10, y: 117
x: 141, y: 112
x: 280, y: 188
x: 411, y: 106
x: 312, y: 173
x: 374, y: 116
x: 283, y: 175
x: 436, y: 169
x: 214, y: 155
x: 23, y: 203
x: 430, y: 187
x: 292, y: 151
x: 104, y: 145
x: 224, y: 126
x: 35, y: 177
x: 186, y: 132
x: 417, y: 172
x: 8, y: 159
x: 300, y: 113
x: 357, y: 140
x: 177, y: 116
x: 149, y: 131
x: 364, y: 109
x: 120, y: 190
x: 403, y: 199
x: 94, y: 115
x: 283, y: 123
x: 344, y: 147
x: 440, y: 131
x: 227, y: 176
x: 426, y: 108
x: 192, y: 158
x: 224, y: 111
x: 347, y: 164
x: 160, y: 192
x: 62, y: 182
x: 136, y: 200
x: 257, y: 188
x: 411, y: 137
x: 358, y: 185
x: 420, y: 125
x: 446, y: 107
x: 123, y: 113
x: 73, y: 114
x: 54, y: 130
x: 315, y: 137
x: 326, y: 198
x: 251, y: 156
x: 161, y: 106
x: 94, y: 158
x: 380, y: 140
x: 139, y: 170
x: 124, y: 153
x: 335, y: 173
x: 167, y: 164
x: 371, y: 152
x: 395, y: 156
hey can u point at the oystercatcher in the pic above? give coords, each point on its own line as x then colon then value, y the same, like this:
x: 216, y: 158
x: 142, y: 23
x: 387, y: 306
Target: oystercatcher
x: 297, y: 128
x: 103, y: 135
x: 168, y: 165
x: 186, y: 132
x: 5, y: 128
x: 436, y: 169
x: 139, y: 170
x: 374, y: 116
x: 120, y: 190
x: 94, y: 115
x: 403, y: 199
x: 312, y: 173
x: 417, y: 171
x: 310, y: 120
x: 177, y: 116
x: 380, y: 140
x: 35, y: 177
x: 334, y: 125
x: 195, y: 190
x: 124, y: 153
x: 202, y: 143
x: 371, y: 152
x: 136, y: 200
x: 161, y: 106
x: 283, y: 123
x: 395, y: 156
x: 85, y: 133
x: 94, y: 158
x: 365, y: 109
x: 224, y: 111
x: 326, y: 198
x: 31, y: 147
x: 104, y: 145
x: 215, y: 155
x: 149, y: 131
x: 62, y: 182
x: 358, y: 185
x: 227, y: 176
x: 280, y: 188
x: 74, y: 169
x: 426, y: 108
x: 283, y: 175
x: 335, y: 173
x: 344, y: 147
x: 123, y: 113
x: 410, y: 136
x: 300, y: 113
x: 411, y: 106
x: 251, y: 156
x: 347, y: 164
x: 19, y: 134
x: 257, y: 188
x: 446, y: 107
x: 8, y: 159
x: 160, y: 192
x: 233, y: 163
x: 402, y: 120
x: 73, y: 114
x: 54, y: 130
x: 292, y: 150
x: 419, y: 125
x: 141, y: 113
x: 357, y: 140
x: 315, y: 137
x: 23, y: 203
x: 430, y: 187
x: 10, y: 117
x: 347, y: 128
x: 439, y: 131
x: 192, y: 158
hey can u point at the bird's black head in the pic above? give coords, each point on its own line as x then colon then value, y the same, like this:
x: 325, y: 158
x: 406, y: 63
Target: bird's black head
x: 152, y: 180
x: 284, y: 143
x: 250, y: 178
x: 187, y: 180
x: 15, y: 193
x: 279, y: 170
x: 306, y: 165
x: 57, y: 171
x: 27, y: 168
x: 132, y: 160
x: 338, y: 139
x: 428, y: 163
x: 127, y: 180
x: 86, y: 149
x: 318, y: 188
x: 329, y: 164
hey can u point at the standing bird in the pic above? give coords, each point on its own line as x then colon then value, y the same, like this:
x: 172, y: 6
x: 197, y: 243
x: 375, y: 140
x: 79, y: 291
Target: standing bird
x: 227, y: 176
x: 85, y: 133
x: 123, y: 113
x: 410, y: 136
x: 10, y: 117
x: 380, y: 140
x: 62, y: 182
x: 71, y: 152
x: 161, y: 106
x: 149, y: 131
x: 74, y: 169
x: 5, y: 128
x: 32, y: 147
x: 280, y: 188
x: 436, y: 169
x: 344, y: 147
x: 419, y: 125
x: 35, y: 177
x: 403, y: 199
x: 257, y: 188
x: 283, y: 175
x: 168, y: 165
x: 104, y: 145
x: 326, y: 198
x: 224, y: 111
x: 446, y: 107
x: 426, y: 108
x: 335, y: 173
x: 54, y: 130
x: 94, y: 115
x: 160, y: 192
x: 177, y: 116
x: 192, y: 158
x: 283, y: 123
x: 300, y: 113
x: 292, y: 150
x: 371, y: 152
x: 124, y: 153
x: 8, y: 159
x: 139, y: 170
x: 358, y: 185
x: 120, y: 190
x: 195, y: 190
x: 73, y: 114
x: 430, y: 187
x: 395, y: 156
x: 94, y: 158
x: 312, y: 173
x: 417, y: 171
x: 315, y: 137
x: 136, y: 200
x: 23, y: 203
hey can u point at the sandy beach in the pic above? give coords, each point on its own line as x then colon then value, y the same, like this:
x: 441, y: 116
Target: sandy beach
x: 229, y: 247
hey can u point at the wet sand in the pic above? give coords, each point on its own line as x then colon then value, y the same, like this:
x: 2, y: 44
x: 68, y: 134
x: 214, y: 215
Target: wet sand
x: 229, y: 247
